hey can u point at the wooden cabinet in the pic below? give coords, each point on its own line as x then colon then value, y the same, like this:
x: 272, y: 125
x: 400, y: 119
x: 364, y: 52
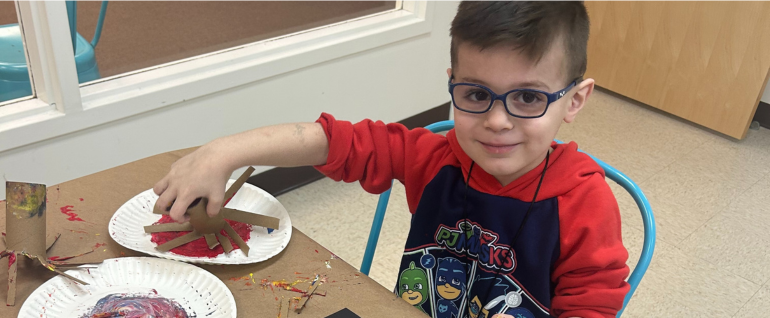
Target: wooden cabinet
x: 706, y: 62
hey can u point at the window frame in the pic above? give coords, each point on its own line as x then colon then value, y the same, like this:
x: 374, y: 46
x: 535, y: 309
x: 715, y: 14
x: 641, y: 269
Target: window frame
x: 60, y: 105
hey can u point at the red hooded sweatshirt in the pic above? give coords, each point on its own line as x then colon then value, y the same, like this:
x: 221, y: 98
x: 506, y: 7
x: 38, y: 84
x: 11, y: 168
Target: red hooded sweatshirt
x: 464, y: 256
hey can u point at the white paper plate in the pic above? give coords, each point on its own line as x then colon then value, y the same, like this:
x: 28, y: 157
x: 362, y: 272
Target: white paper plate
x: 127, y: 227
x: 199, y: 292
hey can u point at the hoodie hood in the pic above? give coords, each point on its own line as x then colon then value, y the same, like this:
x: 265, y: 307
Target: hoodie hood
x: 567, y: 168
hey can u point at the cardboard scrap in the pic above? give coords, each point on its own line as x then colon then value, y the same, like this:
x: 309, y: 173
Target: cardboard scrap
x: 284, y: 308
x: 184, y: 239
x: 12, y: 267
x: 69, y: 266
x: 225, y: 242
x: 211, y: 240
x: 155, y: 210
x: 50, y: 240
x: 250, y: 218
x: 168, y: 227
x: 51, y: 267
x: 60, y: 259
x: 13, y: 271
x: 237, y: 238
x: 237, y: 184
x: 304, y: 300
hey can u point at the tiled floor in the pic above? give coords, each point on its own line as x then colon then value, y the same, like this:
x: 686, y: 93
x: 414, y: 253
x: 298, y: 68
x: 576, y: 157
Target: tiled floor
x: 710, y: 195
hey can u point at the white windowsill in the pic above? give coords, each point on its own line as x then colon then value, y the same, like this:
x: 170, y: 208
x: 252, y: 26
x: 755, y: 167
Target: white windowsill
x: 126, y: 95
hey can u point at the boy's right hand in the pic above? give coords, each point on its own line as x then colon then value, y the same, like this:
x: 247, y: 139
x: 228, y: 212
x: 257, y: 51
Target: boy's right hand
x: 204, y: 172
x: 201, y: 174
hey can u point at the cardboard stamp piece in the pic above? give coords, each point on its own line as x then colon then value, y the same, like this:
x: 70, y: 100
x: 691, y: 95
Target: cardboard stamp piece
x: 25, y: 217
x: 203, y: 225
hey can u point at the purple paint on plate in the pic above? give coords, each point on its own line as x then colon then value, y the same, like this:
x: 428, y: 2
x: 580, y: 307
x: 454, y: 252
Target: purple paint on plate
x: 136, y: 306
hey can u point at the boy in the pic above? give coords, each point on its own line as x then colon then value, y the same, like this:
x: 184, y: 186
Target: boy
x: 505, y: 223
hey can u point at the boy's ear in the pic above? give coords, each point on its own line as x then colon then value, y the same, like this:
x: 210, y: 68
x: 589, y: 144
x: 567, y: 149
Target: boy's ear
x: 449, y: 72
x: 583, y: 91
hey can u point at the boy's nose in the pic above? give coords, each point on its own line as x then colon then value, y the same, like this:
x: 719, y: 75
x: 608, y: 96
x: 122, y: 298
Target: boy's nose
x: 498, y: 118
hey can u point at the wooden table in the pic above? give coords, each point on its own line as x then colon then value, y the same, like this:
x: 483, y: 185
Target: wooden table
x: 96, y: 197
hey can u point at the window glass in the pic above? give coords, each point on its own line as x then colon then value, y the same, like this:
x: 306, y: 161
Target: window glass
x: 140, y: 34
x: 14, y: 73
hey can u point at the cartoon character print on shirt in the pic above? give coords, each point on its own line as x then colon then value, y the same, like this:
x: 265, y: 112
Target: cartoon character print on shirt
x: 519, y: 312
x: 505, y: 298
x: 474, y: 308
x: 508, y: 304
x: 413, y: 286
x: 471, y: 239
x: 450, y: 286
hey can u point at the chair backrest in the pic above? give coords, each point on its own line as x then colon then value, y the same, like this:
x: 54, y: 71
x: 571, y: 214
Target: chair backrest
x: 633, y: 189
x: 72, y: 16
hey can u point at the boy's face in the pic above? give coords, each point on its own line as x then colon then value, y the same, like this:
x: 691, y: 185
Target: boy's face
x: 507, y: 147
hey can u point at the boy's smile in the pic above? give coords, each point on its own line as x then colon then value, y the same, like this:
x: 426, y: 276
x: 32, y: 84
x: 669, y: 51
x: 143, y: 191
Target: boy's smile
x: 498, y: 148
x: 507, y: 147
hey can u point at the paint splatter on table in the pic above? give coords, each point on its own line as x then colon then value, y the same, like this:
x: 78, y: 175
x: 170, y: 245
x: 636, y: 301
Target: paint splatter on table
x: 68, y: 211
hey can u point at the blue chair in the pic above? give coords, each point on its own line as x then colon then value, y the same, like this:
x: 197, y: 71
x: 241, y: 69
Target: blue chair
x: 612, y: 173
x: 14, y: 75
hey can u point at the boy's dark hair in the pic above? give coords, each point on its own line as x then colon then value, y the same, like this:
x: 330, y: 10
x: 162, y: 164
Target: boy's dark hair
x: 531, y: 27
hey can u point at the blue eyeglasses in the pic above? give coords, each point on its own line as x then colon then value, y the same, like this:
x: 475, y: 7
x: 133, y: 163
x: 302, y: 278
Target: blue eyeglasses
x: 521, y: 103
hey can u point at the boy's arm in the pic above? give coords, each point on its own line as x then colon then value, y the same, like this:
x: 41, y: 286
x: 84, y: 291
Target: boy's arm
x: 204, y: 172
x: 591, y: 269
x: 375, y: 153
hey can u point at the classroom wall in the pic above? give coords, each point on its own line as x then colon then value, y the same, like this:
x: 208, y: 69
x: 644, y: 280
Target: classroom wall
x: 389, y: 83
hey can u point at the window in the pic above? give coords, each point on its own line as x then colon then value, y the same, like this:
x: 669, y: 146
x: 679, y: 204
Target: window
x: 228, y: 58
x: 139, y: 34
x: 14, y: 77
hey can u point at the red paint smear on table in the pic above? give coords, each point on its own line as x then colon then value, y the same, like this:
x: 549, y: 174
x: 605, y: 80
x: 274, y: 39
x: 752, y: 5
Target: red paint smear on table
x: 64, y: 258
x: 98, y: 245
x: 81, y: 199
x: 199, y: 248
x: 67, y: 210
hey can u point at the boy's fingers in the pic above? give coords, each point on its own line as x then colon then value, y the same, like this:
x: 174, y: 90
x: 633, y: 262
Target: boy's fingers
x: 161, y: 186
x: 502, y: 316
x: 216, y: 200
x: 165, y: 200
x: 180, y: 207
x: 214, y: 205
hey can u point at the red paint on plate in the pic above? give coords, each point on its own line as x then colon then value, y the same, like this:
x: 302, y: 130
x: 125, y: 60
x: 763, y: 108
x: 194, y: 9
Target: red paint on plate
x: 199, y: 248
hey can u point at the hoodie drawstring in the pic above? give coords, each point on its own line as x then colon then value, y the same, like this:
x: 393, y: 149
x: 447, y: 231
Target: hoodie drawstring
x: 518, y: 232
